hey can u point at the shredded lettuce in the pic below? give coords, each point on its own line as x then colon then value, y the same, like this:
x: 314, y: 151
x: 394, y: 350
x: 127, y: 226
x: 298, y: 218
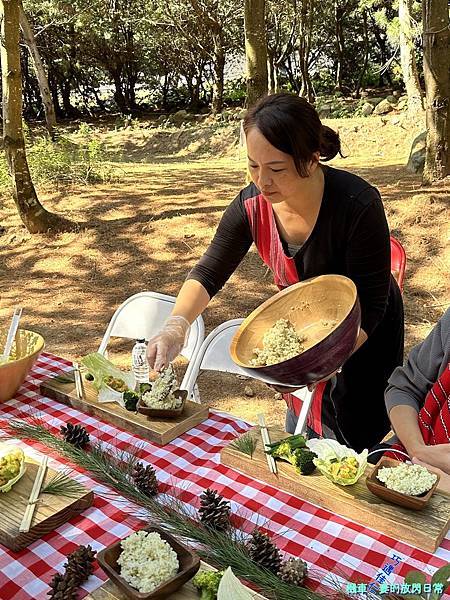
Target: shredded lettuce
x: 231, y: 587
x: 100, y: 367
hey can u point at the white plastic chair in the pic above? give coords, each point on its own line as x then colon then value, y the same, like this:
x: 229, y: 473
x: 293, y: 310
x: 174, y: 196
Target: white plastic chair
x: 214, y: 355
x: 142, y: 316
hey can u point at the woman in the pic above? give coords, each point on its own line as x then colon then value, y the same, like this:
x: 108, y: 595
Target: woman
x: 417, y: 400
x: 306, y: 219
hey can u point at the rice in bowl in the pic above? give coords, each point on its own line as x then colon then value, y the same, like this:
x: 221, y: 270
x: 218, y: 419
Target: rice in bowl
x: 147, y: 561
x: 412, y: 480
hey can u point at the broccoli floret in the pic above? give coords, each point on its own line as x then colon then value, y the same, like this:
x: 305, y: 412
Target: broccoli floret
x: 207, y: 583
x: 131, y: 400
x: 302, y: 459
x: 282, y: 451
x: 144, y: 387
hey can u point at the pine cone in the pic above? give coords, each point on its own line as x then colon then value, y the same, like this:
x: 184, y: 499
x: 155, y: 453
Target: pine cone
x: 75, y: 434
x: 214, y: 511
x: 79, y: 564
x: 63, y: 588
x: 76, y: 571
x: 145, y: 479
x: 264, y: 552
x: 293, y: 571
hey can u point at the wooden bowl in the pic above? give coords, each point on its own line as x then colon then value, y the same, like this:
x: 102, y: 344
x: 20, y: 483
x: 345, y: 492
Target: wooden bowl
x: 166, y: 413
x: 311, y: 306
x: 406, y: 500
x: 25, y: 351
x: 189, y: 565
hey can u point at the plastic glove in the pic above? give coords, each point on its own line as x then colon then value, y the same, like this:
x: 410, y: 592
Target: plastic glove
x: 166, y: 345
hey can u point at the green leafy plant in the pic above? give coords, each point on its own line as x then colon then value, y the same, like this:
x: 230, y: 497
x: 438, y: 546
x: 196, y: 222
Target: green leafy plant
x: 440, y: 581
x: 61, y: 484
x: 245, y: 444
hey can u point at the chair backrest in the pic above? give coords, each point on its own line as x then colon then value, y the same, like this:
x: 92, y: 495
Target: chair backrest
x: 142, y: 316
x: 398, y: 261
x: 214, y: 355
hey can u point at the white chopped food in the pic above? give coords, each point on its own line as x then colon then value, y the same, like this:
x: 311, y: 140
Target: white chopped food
x: 147, y: 560
x: 407, y: 479
x: 162, y: 391
x: 280, y: 343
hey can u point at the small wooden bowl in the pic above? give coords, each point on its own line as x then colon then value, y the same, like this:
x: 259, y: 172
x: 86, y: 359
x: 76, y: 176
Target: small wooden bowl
x: 165, y: 413
x: 189, y: 565
x: 407, y: 501
x: 310, y: 306
x: 26, y: 348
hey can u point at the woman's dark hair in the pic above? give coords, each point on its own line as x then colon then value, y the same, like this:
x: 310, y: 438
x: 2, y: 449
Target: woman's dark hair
x: 291, y: 124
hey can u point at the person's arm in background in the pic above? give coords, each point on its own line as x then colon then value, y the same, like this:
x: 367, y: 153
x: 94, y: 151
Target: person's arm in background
x: 230, y: 244
x: 408, y: 386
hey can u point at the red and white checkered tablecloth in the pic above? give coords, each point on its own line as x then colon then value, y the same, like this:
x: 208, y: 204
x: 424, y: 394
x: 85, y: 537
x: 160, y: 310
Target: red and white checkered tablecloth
x: 192, y: 463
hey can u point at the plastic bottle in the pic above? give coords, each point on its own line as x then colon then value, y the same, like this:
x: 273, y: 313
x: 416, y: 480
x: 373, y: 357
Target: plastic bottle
x: 139, y: 362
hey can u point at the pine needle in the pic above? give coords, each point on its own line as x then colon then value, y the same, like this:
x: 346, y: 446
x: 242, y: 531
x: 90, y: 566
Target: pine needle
x: 170, y: 513
x: 63, y: 485
x: 245, y: 444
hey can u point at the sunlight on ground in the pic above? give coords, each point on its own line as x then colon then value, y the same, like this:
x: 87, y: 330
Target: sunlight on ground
x: 147, y: 230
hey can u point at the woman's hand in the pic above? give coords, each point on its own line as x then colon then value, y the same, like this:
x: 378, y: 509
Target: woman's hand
x: 164, y: 347
x: 436, y: 456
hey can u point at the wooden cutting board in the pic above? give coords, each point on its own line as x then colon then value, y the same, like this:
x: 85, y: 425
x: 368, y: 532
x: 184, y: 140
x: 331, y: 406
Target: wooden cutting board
x: 109, y: 591
x: 423, y: 529
x: 155, y: 430
x: 51, y: 511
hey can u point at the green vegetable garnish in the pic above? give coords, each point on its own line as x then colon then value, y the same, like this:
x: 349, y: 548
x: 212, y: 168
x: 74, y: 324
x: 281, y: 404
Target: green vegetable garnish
x: 207, y: 583
x: 131, y: 399
x: 293, y: 450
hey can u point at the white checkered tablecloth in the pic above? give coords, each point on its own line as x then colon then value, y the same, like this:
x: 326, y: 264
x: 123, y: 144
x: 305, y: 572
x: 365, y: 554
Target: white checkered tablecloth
x: 191, y: 463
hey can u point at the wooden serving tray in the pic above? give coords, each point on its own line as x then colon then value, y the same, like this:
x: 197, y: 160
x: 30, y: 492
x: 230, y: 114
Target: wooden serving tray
x: 109, y: 591
x: 423, y: 529
x: 156, y: 430
x: 51, y: 511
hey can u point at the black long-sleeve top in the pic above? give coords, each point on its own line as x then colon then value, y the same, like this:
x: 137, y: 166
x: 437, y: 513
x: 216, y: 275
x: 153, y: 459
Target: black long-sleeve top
x: 350, y: 237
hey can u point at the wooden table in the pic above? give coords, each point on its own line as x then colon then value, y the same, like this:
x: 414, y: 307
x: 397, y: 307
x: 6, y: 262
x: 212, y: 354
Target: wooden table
x: 188, y: 592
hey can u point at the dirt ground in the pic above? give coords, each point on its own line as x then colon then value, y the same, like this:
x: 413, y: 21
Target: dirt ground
x: 147, y: 230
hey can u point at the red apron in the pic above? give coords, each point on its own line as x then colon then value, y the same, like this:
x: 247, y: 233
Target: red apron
x: 434, y: 416
x: 268, y: 243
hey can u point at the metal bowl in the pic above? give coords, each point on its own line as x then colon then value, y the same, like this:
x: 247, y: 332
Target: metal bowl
x: 325, y: 309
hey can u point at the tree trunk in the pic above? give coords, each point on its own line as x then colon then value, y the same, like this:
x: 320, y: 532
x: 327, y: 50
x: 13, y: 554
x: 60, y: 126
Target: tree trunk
x: 271, y: 73
x: 437, y: 84
x: 255, y: 49
x: 28, y: 36
x: 219, y: 67
x: 408, y: 59
x: 304, y: 49
x: 34, y: 216
x: 382, y: 45
x: 339, y: 41
x: 366, y: 55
